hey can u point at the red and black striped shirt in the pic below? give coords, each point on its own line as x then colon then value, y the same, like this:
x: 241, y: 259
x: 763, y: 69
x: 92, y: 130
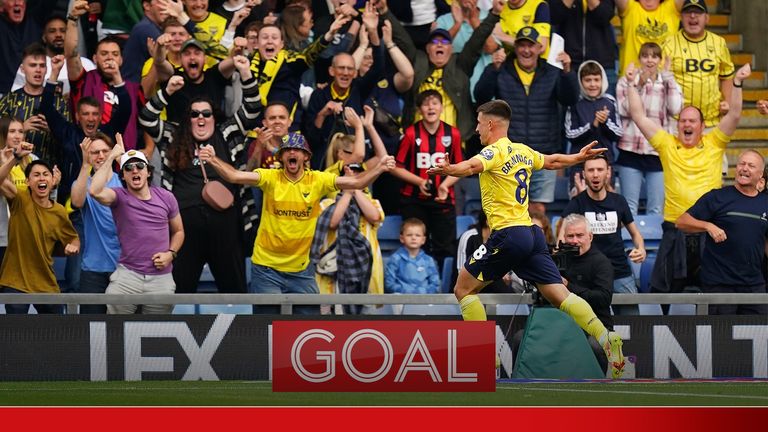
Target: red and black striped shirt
x: 419, y: 150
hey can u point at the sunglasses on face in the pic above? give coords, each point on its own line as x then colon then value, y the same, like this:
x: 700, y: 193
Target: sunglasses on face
x: 205, y: 113
x: 131, y: 165
x: 441, y: 42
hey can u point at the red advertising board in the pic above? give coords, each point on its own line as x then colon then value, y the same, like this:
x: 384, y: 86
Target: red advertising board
x: 383, y: 356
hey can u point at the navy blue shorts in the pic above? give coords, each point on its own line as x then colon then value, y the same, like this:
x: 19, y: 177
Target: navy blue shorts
x: 522, y: 249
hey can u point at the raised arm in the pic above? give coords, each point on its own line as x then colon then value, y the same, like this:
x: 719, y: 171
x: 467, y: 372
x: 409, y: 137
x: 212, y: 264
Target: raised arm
x: 379, y: 150
x: 353, y: 120
x: 74, y: 65
x: 405, y: 74
x: 99, y: 191
x: 80, y: 187
x: 730, y: 121
x: 636, y: 110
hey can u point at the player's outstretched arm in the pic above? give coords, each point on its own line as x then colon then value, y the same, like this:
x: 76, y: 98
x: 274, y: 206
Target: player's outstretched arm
x: 559, y: 160
x: 465, y: 168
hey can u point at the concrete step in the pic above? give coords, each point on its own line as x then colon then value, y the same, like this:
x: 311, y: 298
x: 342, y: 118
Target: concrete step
x: 742, y: 58
x: 733, y: 40
x: 752, y: 95
x: 733, y: 154
x: 750, y: 134
x: 750, y: 118
x: 747, y: 144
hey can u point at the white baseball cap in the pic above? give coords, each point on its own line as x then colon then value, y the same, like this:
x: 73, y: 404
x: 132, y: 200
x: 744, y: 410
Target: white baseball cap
x: 132, y: 154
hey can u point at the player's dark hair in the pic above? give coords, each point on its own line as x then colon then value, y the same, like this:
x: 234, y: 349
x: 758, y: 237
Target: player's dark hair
x: 496, y: 108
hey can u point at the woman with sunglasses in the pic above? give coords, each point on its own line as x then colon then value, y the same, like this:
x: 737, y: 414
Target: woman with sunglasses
x: 210, y: 234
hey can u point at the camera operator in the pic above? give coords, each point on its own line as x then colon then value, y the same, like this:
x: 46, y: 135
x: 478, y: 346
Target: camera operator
x: 589, y: 275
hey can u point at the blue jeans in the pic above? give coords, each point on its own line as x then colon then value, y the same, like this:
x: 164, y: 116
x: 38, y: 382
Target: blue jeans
x: 625, y: 285
x: 24, y: 308
x: 266, y: 280
x: 631, y: 181
x: 93, y: 282
x: 542, y: 186
x: 72, y: 268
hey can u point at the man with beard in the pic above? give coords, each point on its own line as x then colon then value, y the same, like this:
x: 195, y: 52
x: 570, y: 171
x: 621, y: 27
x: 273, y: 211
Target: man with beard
x: 149, y: 228
x: 53, y: 39
x: 24, y: 104
x: 692, y: 166
x: 101, y: 82
x: 20, y: 26
x: 291, y: 207
x: 198, y: 82
x: 36, y: 224
x: 606, y: 213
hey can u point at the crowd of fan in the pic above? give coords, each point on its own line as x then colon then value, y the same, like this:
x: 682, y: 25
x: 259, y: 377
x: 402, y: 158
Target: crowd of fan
x: 319, y: 118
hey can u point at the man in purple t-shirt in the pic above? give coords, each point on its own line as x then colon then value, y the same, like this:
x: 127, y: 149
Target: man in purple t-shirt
x: 148, y: 226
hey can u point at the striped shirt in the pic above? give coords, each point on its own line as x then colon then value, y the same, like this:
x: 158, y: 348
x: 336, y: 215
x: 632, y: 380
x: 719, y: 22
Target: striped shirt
x: 699, y: 66
x: 662, y: 99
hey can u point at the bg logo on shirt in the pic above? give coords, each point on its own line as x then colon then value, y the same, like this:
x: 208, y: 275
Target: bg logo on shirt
x: 428, y: 160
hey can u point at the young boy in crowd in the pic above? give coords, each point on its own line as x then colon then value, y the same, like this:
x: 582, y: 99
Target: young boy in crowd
x: 410, y: 270
x: 594, y: 116
x: 423, y: 196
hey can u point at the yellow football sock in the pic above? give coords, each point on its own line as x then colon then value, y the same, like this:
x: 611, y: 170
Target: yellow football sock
x: 582, y: 313
x: 472, y: 309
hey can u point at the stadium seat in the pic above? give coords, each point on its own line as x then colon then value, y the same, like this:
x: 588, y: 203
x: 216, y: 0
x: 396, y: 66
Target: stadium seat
x: 463, y: 223
x: 682, y: 309
x: 472, y: 207
x: 431, y: 309
x: 386, y: 309
x: 650, y: 228
x: 445, y: 275
x: 389, y: 234
x: 513, y: 309
x: 561, y: 198
x: 649, y: 309
x: 207, y: 283
x: 186, y: 309
x: 236, y: 309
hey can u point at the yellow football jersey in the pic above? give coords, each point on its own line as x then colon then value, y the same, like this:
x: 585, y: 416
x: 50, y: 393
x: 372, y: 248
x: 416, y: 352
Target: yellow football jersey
x: 639, y: 26
x: 288, y: 217
x: 689, y: 173
x: 435, y: 82
x: 504, y: 182
x: 512, y: 20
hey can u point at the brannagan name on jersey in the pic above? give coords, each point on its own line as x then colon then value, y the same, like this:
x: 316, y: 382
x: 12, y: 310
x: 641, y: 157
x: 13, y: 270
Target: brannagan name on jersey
x: 516, y: 159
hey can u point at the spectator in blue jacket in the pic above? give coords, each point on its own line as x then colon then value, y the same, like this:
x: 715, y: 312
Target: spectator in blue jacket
x: 410, y: 270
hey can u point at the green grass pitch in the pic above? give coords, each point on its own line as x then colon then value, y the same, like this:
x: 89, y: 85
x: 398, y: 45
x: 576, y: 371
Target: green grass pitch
x: 259, y: 393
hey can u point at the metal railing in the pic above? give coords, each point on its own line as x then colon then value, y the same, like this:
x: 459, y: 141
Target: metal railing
x: 286, y: 301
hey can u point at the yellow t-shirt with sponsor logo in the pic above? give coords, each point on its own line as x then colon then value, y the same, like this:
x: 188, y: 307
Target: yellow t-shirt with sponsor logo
x: 689, y: 173
x: 435, y: 82
x: 639, y: 26
x: 288, y: 217
x: 505, y: 180
x: 512, y: 20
